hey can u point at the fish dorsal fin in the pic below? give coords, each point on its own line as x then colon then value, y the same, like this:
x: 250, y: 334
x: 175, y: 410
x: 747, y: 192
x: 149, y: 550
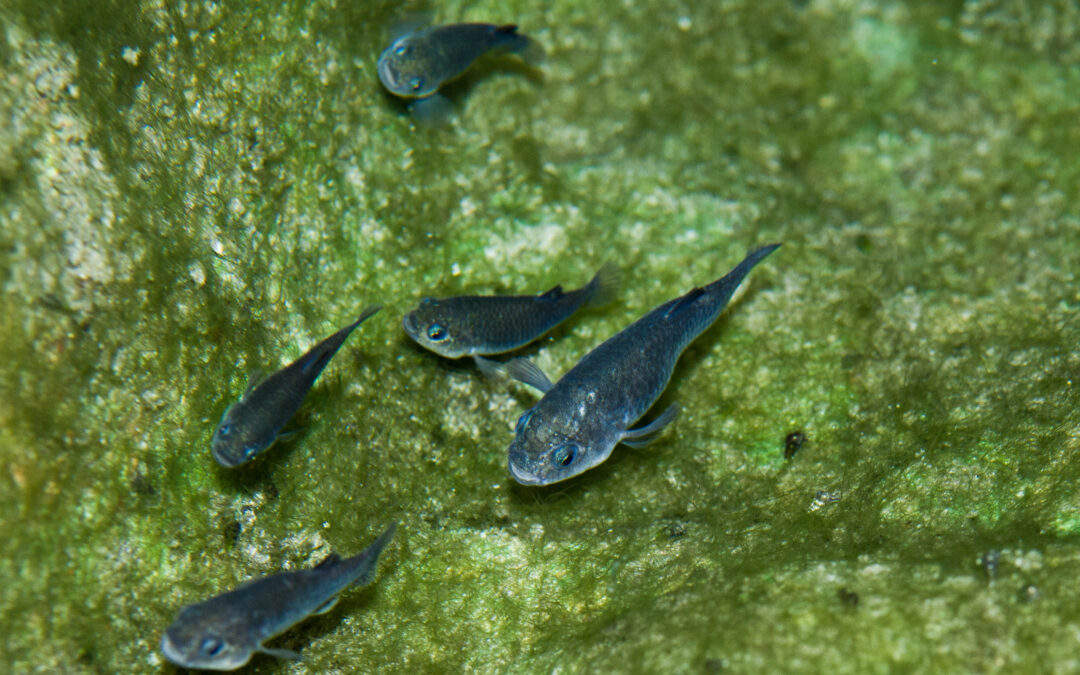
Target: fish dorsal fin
x: 554, y: 293
x: 604, y: 286
x: 254, y: 380
x: 329, y: 561
x: 508, y: 28
x: 318, y: 360
x: 684, y: 302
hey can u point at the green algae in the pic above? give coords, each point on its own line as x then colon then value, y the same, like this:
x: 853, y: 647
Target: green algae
x: 190, y: 191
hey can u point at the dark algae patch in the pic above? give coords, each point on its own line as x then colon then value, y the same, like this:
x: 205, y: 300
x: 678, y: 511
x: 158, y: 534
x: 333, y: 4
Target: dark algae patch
x: 190, y: 191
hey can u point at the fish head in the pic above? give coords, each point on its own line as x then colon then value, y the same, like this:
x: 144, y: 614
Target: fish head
x: 434, y: 325
x: 405, y: 68
x: 206, y: 640
x: 550, y: 448
x: 234, y: 443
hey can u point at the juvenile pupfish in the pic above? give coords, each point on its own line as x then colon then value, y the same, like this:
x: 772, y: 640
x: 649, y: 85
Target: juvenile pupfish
x: 580, y: 419
x: 416, y: 65
x: 254, y: 423
x: 475, y: 325
x: 224, y: 632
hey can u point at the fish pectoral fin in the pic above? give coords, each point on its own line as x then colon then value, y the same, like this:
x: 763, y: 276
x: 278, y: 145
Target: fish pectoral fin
x: 288, y: 435
x: 684, y: 302
x: 279, y: 653
x: 489, y: 367
x: 639, y: 438
x: 525, y: 371
x: 554, y: 293
x: 432, y: 112
x: 326, y: 606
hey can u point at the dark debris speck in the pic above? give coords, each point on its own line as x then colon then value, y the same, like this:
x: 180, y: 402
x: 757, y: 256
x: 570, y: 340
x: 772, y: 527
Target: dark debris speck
x: 793, y: 442
x: 847, y: 597
x: 989, y: 563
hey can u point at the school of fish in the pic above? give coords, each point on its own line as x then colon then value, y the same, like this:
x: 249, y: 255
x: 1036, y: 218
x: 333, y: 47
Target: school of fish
x: 573, y: 427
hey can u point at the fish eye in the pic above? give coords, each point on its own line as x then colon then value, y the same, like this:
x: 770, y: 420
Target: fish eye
x: 224, y: 429
x: 523, y: 420
x: 415, y: 83
x: 211, y: 646
x: 401, y: 50
x: 564, y: 455
x: 436, y: 333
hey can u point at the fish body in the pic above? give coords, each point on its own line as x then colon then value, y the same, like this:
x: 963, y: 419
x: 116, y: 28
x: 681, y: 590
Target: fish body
x: 475, y: 325
x: 581, y: 419
x: 417, y: 64
x: 224, y: 632
x: 254, y: 423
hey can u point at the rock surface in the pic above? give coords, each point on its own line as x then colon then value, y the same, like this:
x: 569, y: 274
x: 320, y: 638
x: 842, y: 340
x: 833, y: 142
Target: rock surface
x: 191, y: 191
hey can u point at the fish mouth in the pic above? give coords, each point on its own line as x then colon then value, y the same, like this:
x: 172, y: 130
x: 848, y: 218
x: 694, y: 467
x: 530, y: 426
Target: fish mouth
x: 387, y: 73
x: 408, y: 322
x: 223, y: 457
x: 523, y: 477
x: 171, y: 652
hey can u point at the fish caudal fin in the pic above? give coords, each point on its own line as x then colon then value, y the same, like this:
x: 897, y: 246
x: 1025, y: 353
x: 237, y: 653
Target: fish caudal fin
x: 725, y: 287
x: 318, y: 356
x: 604, y: 286
x: 530, y: 51
x: 370, y: 557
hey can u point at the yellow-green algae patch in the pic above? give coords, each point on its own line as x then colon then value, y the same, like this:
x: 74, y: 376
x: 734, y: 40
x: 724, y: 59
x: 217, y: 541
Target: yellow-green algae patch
x: 190, y: 191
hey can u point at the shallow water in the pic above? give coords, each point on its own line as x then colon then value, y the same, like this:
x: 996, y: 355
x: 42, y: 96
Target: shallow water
x: 192, y: 192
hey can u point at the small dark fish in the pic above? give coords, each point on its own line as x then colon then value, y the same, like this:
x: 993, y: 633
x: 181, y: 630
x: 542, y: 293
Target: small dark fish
x: 224, y: 632
x: 472, y: 325
x: 254, y: 423
x: 581, y: 419
x: 417, y: 64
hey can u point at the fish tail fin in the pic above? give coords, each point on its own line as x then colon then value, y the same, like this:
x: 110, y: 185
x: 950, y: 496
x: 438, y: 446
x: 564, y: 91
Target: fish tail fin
x: 725, y: 287
x: 530, y: 51
x: 365, y: 314
x: 321, y: 354
x: 604, y: 286
x: 370, y: 556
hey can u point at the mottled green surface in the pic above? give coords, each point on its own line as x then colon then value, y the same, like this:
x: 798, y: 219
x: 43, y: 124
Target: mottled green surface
x: 193, y: 190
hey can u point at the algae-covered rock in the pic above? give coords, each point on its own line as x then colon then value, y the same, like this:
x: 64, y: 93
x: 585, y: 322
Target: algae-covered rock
x: 193, y: 191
